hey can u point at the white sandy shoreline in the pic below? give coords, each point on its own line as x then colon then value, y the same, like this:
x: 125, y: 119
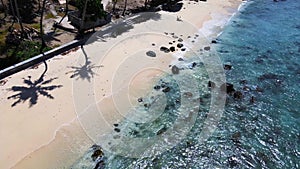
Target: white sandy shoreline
x: 35, y: 137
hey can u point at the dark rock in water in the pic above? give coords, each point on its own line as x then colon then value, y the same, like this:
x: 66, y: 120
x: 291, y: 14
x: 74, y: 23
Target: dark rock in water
x: 180, y: 40
x: 146, y: 105
x: 194, y: 64
x: 211, y: 84
x: 232, y: 161
x: 243, y: 82
x: 151, y: 53
x: 238, y: 95
x: 167, y: 89
x: 175, y: 69
x: 236, y: 137
x: 262, y: 156
x: 97, y: 152
x: 116, y: 124
x: 100, y: 165
x: 268, y: 76
x: 162, y: 130
x: 188, y: 94
x: 180, y: 59
x: 214, y: 41
x: 179, y: 45
x: 207, y: 48
x: 117, y: 130
x: 252, y: 100
x: 140, y: 99
x: 227, y: 67
x: 164, y: 49
x: 172, y: 48
x: 240, y: 108
x: 227, y: 87
x: 156, y: 87
x: 259, y: 89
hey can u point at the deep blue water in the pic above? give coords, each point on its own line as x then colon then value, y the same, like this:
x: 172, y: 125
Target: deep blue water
x: 262, y: 43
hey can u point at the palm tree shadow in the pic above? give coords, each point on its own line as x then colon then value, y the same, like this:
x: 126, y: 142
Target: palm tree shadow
x: 33, y: 89
x: 83, y: 71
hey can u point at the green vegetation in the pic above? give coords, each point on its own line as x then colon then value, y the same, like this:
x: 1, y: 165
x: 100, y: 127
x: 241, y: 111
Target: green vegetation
x: 94, y: 8
x: 17, y: 53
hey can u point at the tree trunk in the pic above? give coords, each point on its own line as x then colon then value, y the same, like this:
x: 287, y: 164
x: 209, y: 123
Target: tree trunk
x: 114, y: 5
x: 41, y: 27
x: 83, y: 16
x: 19, y: 19
x: 125, y: 6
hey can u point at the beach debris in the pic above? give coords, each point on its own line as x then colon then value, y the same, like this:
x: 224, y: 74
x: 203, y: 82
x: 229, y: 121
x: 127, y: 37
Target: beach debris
x: 180, y: 59
x: 180, y: 40
x: 172, y: 48
x: 140, y: 99
x: 175, y: 69
x: 164, y: 49
x: 150, y: 53
x: 116, y: 124
x: 227, y: 67
x: 179, y: 45
x: 3, y: 82
x: 183, y: 49
x: 206, y: 48
x: 238, y: 95
x: 228, y: 87
x: 211, y: 84
x: 170, y: 43
x: 252, y: 99
x: 153, y: 44
x: 175, y: 37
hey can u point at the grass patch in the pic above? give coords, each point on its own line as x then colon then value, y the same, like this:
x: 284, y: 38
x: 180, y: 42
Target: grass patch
x: 49, y: 15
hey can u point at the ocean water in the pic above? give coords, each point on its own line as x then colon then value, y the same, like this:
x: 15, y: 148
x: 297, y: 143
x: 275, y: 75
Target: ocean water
x: 260, y: 130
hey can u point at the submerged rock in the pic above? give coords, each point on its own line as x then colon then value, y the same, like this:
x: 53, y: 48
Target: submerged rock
x: 227, y: 67
x: 151, y: 53
x: 232, y: 161
x: 238, y: 95
x: 167, y: 89
x: 211, y: 84
x: 175, y: 69
x: 207, y: 48
x: 228, y: 87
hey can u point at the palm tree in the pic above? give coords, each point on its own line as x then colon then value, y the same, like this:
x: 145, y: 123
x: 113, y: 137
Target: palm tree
x: 16, y: 14
x: 125, y: 5
x: 114, y: 5
x: 41, y: 27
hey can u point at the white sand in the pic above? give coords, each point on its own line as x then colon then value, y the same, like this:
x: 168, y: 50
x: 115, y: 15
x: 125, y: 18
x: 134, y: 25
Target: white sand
x: 49, y: 134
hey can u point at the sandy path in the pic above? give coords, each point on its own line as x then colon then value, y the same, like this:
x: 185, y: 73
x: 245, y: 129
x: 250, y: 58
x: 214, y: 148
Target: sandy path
x: 49, y: 129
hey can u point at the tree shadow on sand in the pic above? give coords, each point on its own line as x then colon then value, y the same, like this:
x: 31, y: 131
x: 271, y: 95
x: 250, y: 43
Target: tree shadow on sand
x: 33, y: 89
x: 83, y: 71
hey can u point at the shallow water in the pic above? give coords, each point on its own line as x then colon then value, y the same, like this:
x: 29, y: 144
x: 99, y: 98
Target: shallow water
x: 262, y: 43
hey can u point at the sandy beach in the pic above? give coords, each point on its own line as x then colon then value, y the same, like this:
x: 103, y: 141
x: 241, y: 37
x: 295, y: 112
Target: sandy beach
x: 54, y: 128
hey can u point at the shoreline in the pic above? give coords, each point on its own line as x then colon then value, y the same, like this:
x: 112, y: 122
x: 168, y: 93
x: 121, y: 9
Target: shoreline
x: 28, y: 159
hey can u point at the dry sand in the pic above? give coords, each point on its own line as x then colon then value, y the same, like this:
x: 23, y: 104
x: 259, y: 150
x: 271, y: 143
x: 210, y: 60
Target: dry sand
x: 53, y: 133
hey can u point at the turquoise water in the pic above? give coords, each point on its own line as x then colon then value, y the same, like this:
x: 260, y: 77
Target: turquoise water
x: 262, y: 43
